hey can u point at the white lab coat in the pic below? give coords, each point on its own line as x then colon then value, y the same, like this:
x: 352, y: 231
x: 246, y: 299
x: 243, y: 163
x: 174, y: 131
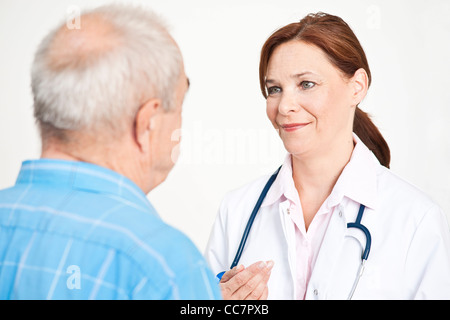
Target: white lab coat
x: 410, y: 252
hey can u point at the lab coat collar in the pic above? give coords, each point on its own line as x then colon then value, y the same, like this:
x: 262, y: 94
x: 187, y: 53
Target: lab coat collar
x: 358, y: 180
x: 278, y: 189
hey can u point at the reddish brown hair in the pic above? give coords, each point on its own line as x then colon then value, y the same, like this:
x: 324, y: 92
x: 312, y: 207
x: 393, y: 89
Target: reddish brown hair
x: 337, y: 40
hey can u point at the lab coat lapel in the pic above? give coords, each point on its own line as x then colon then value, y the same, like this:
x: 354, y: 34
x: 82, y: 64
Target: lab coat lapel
x: 327, y: 258
x: 289, y: 233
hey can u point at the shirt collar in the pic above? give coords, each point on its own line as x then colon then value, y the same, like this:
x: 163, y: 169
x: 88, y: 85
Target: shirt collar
x: 358, y: 180
x: 82, y: 176
x: 283, y: 185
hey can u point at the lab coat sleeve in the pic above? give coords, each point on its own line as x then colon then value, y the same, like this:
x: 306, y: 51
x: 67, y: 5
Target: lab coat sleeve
x: 427, y: 269
x: 217, y: 247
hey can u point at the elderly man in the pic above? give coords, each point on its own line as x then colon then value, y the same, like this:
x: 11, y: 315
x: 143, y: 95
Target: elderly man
x: 77, y: 224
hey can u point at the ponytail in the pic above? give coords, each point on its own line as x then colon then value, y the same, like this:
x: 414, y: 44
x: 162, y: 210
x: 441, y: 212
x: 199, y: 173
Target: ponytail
x: 369, y: 134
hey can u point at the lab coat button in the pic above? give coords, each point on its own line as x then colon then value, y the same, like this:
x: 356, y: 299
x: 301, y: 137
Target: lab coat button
x: 341, y: 210
x: 316, y: 292
x: 288, y: 211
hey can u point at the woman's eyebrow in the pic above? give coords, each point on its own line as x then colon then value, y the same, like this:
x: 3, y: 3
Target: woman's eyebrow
x: 296, y: 75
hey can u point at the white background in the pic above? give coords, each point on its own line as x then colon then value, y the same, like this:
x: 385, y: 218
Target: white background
x: 227, y: 140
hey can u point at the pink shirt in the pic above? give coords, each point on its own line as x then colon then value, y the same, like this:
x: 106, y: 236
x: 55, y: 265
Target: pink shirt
x: 308, y: 243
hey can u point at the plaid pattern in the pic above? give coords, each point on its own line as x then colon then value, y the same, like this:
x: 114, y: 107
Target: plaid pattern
x: 74, y: 230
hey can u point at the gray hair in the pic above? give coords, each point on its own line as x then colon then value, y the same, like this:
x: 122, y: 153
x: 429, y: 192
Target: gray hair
x: 102, y: 89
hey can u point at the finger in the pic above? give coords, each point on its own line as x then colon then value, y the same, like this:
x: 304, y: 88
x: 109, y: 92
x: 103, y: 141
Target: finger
x: 261, y: 286
x: 265, y: 294
x: 231, y: 273
x: 257, y: 267
x: 232, y: 288
x: 240, y: 279
x: 229, y: 286
x: 262, y: 267
x: 257, y: 281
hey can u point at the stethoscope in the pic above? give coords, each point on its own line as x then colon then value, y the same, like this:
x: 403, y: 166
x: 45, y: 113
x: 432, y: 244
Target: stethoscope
x: 357, y: 224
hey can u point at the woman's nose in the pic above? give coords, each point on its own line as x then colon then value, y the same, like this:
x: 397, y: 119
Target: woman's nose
x: 288, y: 104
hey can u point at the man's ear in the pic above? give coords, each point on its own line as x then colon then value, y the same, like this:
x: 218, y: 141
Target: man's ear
x: 144, y: 120
x: 360, y: 82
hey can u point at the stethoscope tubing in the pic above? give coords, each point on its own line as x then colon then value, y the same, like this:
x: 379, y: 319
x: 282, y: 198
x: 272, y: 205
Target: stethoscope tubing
x: 357, y: 224
x: 252, y: 218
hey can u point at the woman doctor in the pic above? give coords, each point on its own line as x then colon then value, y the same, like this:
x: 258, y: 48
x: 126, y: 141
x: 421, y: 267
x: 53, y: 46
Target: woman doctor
x: 314, y: 74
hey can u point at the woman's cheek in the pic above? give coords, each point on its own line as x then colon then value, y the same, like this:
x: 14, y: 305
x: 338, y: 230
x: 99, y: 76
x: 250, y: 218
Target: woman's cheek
x: 271, y: 112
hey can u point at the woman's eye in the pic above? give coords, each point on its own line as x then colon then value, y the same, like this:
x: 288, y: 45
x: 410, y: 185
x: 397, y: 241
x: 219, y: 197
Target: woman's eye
x: 307, y: 85
x: 273, y: 90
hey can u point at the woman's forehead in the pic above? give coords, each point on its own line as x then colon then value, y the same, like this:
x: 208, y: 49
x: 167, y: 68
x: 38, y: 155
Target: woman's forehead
x: 296, y: 57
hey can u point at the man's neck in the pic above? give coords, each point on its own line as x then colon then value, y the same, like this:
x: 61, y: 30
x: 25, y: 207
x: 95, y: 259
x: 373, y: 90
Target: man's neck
x: 116, y: 158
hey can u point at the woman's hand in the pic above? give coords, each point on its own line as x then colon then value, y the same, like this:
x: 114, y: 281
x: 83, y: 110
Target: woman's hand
x: 249, y: 283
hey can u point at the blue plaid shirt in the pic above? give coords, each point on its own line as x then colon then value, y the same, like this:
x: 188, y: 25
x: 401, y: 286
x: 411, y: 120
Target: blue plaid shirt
x: 74, y: 230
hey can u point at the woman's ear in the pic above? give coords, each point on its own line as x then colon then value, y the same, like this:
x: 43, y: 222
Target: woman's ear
x: 360, y: 84
x: 145, y: 122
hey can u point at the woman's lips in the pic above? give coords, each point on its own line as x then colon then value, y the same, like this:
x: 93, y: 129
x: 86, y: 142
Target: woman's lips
x: 289, y: 127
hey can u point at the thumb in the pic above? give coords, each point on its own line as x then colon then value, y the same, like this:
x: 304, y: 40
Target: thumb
x: 231, y: 273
